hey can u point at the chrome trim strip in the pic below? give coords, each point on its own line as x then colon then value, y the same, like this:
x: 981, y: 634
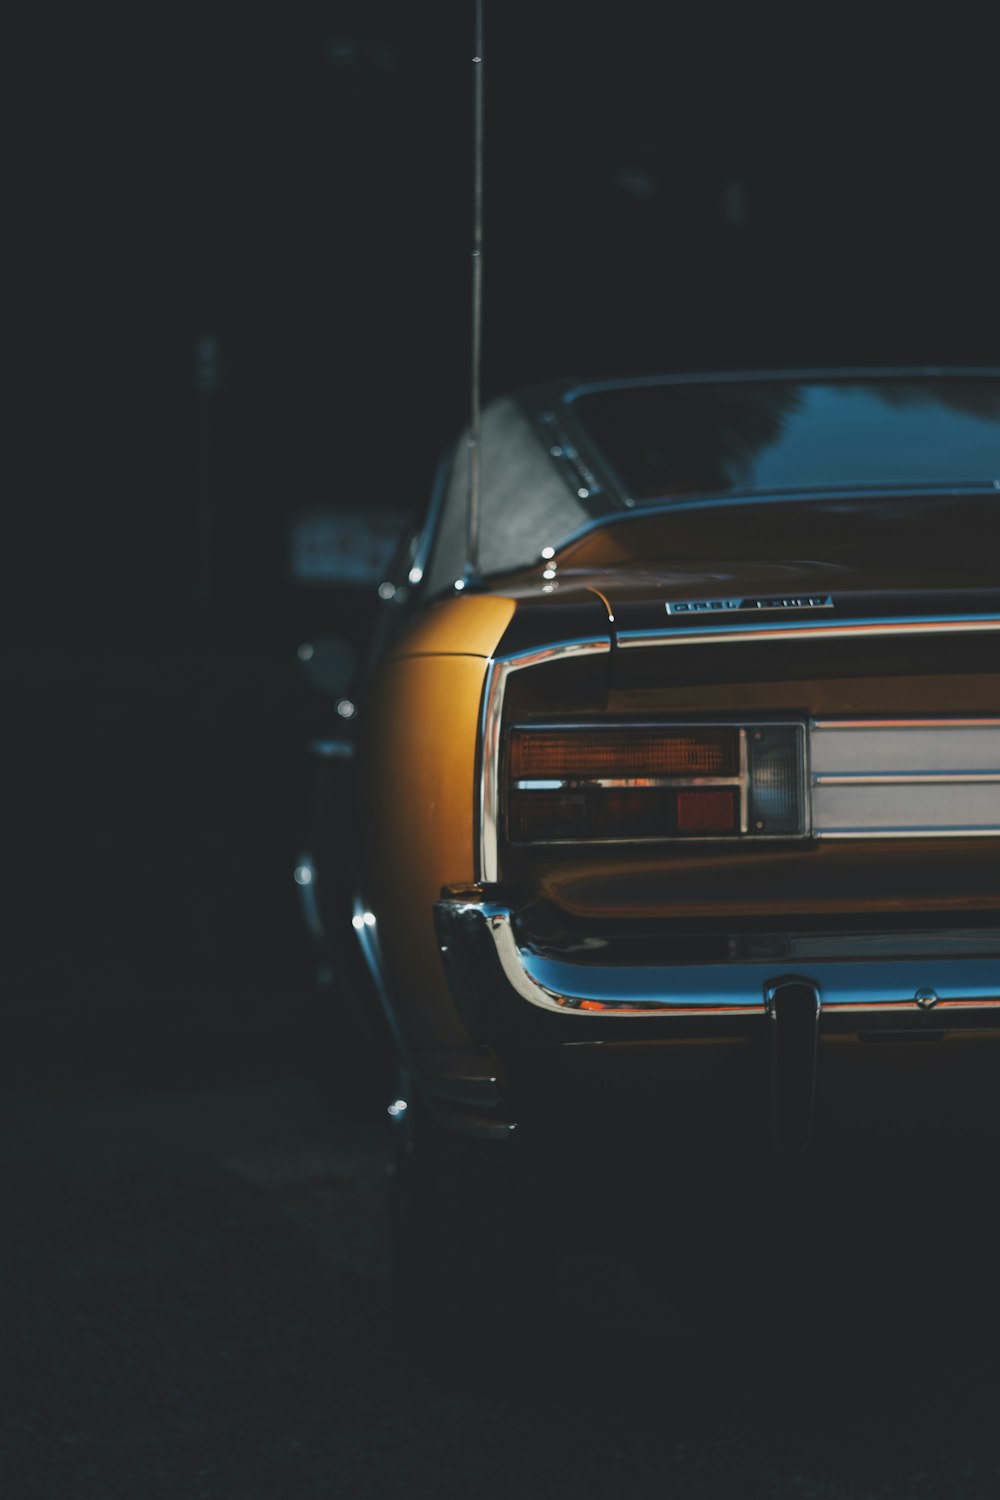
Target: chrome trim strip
x: 744, y: 784
x: 914, y: 832
x: 810, y: 630
x: 904, y: 1007
x: 845, y: 375
x: 665, y: 840
x: 889, y: 986
x: 807, y: 771
x: 573, y: 468
x: 970, y: 722
x: 582, y: 783
x: 905, y: 778
x: 498, y: 671
x: 631, y: 991
x: 611, y: 721
x: 425, y: 538
x: 485, y: 850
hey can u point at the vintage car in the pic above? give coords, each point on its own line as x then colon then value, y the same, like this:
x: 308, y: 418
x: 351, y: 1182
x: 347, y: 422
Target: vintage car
x: 683, y: 800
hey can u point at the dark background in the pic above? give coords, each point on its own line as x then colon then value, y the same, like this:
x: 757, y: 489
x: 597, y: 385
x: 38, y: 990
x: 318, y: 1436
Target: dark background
x: 240, y: 265
x: 243, y: 259
x: 243, y: 244
x: 245, y: 271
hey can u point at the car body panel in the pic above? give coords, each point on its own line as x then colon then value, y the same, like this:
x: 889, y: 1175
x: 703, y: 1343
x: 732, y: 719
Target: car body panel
x: 418, y: 810
x: 472, y: 625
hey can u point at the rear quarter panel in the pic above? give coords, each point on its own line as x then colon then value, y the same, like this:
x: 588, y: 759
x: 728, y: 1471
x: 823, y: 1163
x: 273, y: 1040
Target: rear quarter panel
x: 418, y: 791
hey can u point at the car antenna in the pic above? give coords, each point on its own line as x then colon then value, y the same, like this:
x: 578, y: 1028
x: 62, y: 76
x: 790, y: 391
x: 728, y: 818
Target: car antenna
x: 475, y: 427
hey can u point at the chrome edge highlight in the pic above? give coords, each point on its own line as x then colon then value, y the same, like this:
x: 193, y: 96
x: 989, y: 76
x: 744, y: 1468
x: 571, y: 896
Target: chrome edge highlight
x: 494, y: 689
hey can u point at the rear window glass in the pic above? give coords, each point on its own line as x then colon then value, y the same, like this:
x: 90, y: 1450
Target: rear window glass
x: 690, y: 439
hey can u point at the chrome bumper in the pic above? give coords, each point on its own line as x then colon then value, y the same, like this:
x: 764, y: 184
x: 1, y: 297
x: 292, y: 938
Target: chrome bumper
x: 480, y: 945
x: 512, y: 989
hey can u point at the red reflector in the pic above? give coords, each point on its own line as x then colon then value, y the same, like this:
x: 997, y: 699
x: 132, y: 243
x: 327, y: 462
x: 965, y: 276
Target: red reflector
x: 706, y: 812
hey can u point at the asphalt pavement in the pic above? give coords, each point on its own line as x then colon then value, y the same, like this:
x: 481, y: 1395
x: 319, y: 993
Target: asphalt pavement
x: 197, y: 1303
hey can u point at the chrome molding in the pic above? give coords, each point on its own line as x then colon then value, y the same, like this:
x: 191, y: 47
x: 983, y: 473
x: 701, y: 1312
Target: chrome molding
x: 573, y: 468
x: 570, y: 989
x: 626, y: 782
x: 874, y: 988
x: 424, y: 540
x: 911, y: 831
x: 810, y: 630
x: 827, y: 373
x: 893, y: 778
x: 497, y: 675
x: 904, y: 723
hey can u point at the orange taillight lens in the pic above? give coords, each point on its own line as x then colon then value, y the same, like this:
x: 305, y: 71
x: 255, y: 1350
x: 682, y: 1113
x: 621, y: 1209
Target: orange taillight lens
x: 622, y: 754
x: 623, y: 782
x: 607, y: 783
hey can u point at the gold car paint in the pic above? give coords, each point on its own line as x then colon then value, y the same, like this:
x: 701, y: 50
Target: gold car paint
x: 827, y: 880
x: 418, y: 767
x: 968, y: 693
x: 465, y: 625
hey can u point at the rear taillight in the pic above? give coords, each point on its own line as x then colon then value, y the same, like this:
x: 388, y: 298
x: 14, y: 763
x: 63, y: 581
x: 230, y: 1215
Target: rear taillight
x: 624, y: 753
x: 647, y: 782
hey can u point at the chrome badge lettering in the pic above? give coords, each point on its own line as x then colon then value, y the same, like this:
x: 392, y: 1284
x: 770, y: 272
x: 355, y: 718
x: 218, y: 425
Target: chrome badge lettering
x: 717, y: 606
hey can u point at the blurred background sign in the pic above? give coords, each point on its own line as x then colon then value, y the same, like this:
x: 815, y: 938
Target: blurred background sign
x: 350, y: 545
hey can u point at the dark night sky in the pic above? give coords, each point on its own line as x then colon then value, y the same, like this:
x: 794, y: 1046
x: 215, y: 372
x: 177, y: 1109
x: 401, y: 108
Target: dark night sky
x: 664, y: 189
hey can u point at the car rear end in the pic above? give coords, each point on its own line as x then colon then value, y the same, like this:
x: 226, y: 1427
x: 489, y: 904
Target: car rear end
x: 737, y: 865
